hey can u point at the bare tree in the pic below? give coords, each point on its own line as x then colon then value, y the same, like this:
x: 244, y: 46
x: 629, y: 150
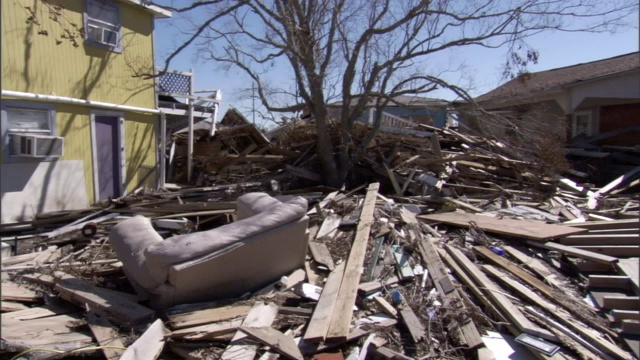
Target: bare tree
x: 365, y: 53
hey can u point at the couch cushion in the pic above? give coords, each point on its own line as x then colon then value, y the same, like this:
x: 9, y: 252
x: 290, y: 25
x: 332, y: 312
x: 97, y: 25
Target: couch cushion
x: 129, y: 240
x: 184, y: 247
x: 253, y: 203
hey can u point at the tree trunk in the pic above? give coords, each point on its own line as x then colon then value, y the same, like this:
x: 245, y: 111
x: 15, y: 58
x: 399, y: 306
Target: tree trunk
x: 325, y: 149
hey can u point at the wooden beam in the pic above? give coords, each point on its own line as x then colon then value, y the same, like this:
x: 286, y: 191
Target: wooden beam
x: 321, y: 318
x: 621, y: 302
x: 606, y: 239
x: 106, y: 336
x: 535, y: 265
x: 499, y: 299
x: 339, y: 328
x: 240, y: 348
x: 149, y: 345
x: 609, y: 281
x: 584, y: 254
x: 329, y: 226
x: 605, y: 225
x: 466, y: 331
x: 205, y: 316
x: 630, y: 326
x: 619, y: 315
x: 386, y: 307
x: 519, y: 228
x: 416, y: 330
x: 207, y: 331
x: 321, y: 254
x: 613, y: 250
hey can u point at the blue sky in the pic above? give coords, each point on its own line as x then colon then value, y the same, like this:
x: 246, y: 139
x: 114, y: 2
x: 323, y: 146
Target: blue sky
x: 475, y: 68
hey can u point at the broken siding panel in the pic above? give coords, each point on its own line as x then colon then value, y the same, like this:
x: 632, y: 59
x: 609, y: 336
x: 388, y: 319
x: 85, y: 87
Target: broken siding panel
x: 34, y: 63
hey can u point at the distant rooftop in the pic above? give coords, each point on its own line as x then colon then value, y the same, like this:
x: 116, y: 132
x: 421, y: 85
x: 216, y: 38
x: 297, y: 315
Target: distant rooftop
x: 542, y: 82
x: 406, y: 100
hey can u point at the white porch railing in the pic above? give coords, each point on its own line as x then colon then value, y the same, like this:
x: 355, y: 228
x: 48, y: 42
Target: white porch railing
x: 396, y: 121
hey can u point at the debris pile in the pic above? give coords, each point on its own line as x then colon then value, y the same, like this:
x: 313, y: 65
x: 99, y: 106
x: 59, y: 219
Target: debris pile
x: 436, y: 274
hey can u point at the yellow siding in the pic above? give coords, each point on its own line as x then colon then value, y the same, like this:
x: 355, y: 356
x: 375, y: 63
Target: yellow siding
x: 34, y: 63
x: 74, y: 124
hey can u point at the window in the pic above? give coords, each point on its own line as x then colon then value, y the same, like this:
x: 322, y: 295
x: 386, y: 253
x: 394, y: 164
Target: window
x: 102, y: 24
x: 27, y: 130
x: 582, y: 123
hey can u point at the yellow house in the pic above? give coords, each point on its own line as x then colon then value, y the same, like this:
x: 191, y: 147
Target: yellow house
x: 79, y: 116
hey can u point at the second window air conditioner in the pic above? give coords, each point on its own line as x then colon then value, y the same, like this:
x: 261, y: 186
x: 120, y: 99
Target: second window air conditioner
x: 37, y: 146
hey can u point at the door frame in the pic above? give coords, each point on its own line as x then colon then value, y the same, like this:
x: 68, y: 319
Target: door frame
x: 121, y: 154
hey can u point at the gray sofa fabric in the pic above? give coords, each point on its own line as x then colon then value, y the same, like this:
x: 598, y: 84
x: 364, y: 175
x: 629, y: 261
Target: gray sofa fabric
x: 224, y: 262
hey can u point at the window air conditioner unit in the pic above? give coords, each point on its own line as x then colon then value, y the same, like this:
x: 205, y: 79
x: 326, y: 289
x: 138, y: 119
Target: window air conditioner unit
x: 37, y: 146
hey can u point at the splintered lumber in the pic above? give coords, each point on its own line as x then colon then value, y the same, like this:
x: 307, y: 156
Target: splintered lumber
x: 149, y: 345
x: 106, y: 336
x: 593, y: 337
x: 273, y: 338
x: 37, y: 312
x: 106, y: 303
x: 200, y: 317
x: 323, y: 203
x: 321, y: 318
x: 499, y: 299
x: 329, y: 226
x: 339, y: 328
x: 11, y: 291
x: 534, y: 265
x: 467, y: 332
x: 386, y: 307
x: 240, y: 348
x: 207, y: 331
x: 412, y: 323
x: 10, y: 306
x: 371, y: 287
x: 584, y: 254
x: 519, y: 228
x: 61, y: 334
x: 12, y: 260
x: 321, y: 254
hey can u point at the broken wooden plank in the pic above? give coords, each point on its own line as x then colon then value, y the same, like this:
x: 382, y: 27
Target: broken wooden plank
x: 329, y: 226
x: 609, y: 281
x: 61, y: 334
x: 106, y: 303
x: 519, y: 228
x: 339, y: 328
x: 321, y: 254
x: 149, y: 345
x: 605, y: 225
x: 108, y: 338
x: 240, y: 348
x: 612, y: 250
x: 405, y: 272
x: 629, y: 267
x: 467, y: 333
x: 276, y: 340
x: 534, y: 299
x: 601, y: 239
x: 10, y: 306
x: 37, y: 312
x: 630, y: 326
x: 386, y: 307
x: 371, y: 287
x: 499, y: 299
x: 207, y: 331
x: 321, y: 318
x: 11, y: 291
x: 535, y: 265
x: 413, y: 324
x: 205, y: 316
x: 584, y: 254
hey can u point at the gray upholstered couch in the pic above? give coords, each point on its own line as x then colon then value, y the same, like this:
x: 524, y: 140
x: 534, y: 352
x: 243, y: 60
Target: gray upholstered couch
x: 268, y: 240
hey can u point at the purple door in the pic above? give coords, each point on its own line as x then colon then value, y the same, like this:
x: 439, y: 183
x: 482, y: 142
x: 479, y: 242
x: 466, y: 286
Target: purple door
x: 108, y: 156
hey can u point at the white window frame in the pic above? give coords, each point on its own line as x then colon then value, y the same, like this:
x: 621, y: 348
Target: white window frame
x: 7, y: 131
x: 103, y: 26
x: 574, y: 122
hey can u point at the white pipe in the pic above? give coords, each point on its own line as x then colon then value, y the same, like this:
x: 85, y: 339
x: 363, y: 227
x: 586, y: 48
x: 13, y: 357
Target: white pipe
x: 190, y: 137
x: 163, y: 149
x: 75, y: 101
